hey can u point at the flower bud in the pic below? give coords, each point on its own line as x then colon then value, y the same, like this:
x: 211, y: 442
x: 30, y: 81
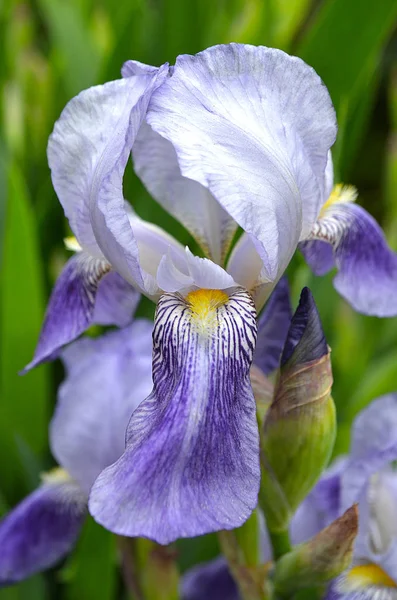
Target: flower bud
x: 299, y: 429
x: 320, y: 559
x: 263, y: 391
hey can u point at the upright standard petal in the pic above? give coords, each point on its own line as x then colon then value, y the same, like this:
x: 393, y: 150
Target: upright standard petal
x: 273, y: 325
x: 349, y: 238
x: 88, y: 152
x: 106, y: 379
x: 374, y: 446
x: 156, y: 163
x: 42, y: 529
x: 86, y: 292
x: 254, y: 126
x: 191, y: 463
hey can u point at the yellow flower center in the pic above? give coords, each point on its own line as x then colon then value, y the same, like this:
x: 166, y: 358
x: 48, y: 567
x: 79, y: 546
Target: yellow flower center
x: 203, y: 305
x: 340, y: 193
x: 369, y: 574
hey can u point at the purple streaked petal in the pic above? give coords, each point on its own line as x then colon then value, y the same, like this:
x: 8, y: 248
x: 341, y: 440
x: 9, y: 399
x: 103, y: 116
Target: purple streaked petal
x: 42, y: 529
x: 107, y: 378
x: 318, y: 255
x: 88, y: 152
x: 85, y: 292
x: 209, y: 581
x: 115, y: 302
x: 367, y: 267
x: 305, y: 340
x: 191, y: 464
x: 254, y: 126
x: 273, y: 325
x: 156, y: 163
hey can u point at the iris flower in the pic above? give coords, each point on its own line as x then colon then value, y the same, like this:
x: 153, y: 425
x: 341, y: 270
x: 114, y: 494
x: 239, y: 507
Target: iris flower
x: 367, y: 476
x: 106, y: 379
x: 236, y: 136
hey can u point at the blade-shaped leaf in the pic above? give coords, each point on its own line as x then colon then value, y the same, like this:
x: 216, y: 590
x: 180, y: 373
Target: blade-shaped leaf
x: 91, y: 570
x: 24, y: 400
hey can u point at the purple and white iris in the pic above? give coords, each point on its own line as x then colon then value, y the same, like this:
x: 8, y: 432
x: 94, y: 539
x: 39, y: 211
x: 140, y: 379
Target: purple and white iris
x: 234, y: 136
x: 367, y: 476
x: 106, y: 379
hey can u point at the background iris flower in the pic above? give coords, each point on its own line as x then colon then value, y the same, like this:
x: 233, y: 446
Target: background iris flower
x: 106, y: 378
x: 367, y: 476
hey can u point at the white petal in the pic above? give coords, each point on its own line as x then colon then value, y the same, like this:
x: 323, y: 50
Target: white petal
x: 190, y: 202
x: 254, y: 126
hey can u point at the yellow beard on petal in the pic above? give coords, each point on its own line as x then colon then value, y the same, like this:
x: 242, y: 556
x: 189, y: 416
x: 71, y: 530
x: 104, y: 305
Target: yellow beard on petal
x: 340, y: 193
x: 362, y: 576
x: 55, y: 475
x: 72, y: 244
x: 203, y: 305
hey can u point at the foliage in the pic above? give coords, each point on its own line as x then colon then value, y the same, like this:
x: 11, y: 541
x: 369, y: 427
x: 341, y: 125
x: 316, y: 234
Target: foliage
x: 54, y: 48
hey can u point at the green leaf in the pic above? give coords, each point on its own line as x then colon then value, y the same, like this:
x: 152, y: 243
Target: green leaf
x: 91, y: 570
x: 344, y: 39
x: 344, y: 45
x: 24, y: 400
x: 76, y: 54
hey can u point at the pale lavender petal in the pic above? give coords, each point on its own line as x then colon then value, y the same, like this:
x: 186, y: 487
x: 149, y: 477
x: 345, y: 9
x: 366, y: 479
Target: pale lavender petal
x: 246, y: 267
x: 375, y: 428
x: 196, y: 271
x: 305, y: 340
x: 374, y: 446
x: 367, y: 267
x: 42, y: 529
x: 209, y: 581
x: 153, y: 244
x: 71, y: 307
x: 191, y: 465
x: 88, y: 152
x: 156, y: 163
x: 206, y: 274
x: 107, y: 378
x: 254, y: 126
x: 273, y: 325
x: 170, y: 278
x: 389, y: 561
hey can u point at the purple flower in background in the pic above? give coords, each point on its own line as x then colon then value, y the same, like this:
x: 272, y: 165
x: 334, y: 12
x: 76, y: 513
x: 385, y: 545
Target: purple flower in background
x: 367, y: 476
x: 345, y: 236
x: 106, y: 379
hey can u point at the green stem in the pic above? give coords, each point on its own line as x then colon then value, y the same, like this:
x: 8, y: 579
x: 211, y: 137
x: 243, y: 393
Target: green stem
x: 251, y: 579
x: 280, y: 543
x: 150, y: 571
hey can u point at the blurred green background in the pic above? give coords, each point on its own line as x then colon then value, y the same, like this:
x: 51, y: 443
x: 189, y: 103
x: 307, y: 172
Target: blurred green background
x: 52, y: 49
